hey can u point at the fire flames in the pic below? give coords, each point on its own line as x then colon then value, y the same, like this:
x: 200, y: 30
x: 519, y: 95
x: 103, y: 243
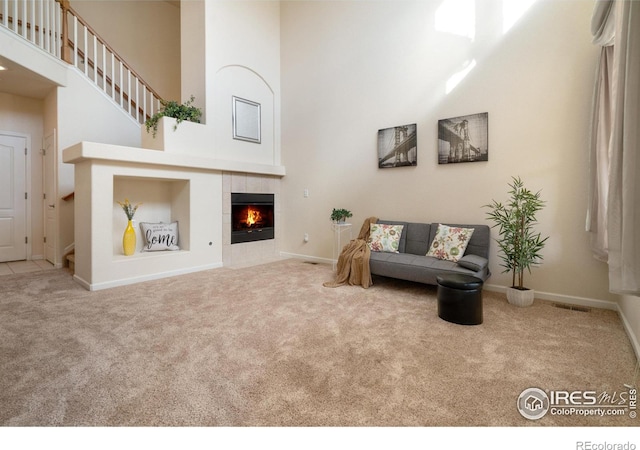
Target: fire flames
x: 253, y: 217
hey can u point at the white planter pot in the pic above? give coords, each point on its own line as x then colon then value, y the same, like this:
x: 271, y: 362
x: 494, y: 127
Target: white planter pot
x: 519, y: 297
x: 188, y: 138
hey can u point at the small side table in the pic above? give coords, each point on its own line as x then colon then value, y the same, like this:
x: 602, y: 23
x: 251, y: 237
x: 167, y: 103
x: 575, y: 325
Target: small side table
x: 338, y: 230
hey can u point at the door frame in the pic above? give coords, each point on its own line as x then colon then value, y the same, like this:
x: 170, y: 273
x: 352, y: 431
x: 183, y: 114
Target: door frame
x: 27, y: 185
x: 54, y: 174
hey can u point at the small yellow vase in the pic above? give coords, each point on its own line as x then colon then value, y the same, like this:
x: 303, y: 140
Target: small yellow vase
x: 129, y: 240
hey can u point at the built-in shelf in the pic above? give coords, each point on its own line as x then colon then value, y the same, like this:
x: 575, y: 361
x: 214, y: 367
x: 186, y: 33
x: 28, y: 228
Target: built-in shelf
x: 161, y: 200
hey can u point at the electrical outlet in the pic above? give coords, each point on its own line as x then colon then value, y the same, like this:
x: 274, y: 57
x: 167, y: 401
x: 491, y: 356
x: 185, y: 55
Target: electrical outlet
x: 306, y: 237
x: 306, y: 193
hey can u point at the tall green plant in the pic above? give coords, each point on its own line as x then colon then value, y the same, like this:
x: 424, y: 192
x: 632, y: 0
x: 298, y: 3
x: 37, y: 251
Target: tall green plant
x: 519, y: 245
x: 180, y: 112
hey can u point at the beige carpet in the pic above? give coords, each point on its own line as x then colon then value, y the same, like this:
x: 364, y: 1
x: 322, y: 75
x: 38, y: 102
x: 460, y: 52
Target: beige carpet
x: 270, y: 346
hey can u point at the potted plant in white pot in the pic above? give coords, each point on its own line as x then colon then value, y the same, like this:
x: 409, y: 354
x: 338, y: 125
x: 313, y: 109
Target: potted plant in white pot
x: 171, y: 108
x: 339, y: 215
x: 519, y: 246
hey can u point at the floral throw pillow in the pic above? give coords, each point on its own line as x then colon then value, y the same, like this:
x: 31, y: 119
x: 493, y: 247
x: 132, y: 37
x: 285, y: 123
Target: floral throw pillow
x: 384, y: 238
x: 450, y: 242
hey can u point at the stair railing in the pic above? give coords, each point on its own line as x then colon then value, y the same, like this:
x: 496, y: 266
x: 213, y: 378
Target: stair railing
x: 56, y: 28
x: 38, y: 21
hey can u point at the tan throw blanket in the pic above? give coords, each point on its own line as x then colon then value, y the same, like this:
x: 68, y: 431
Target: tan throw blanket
x: 353, y: 262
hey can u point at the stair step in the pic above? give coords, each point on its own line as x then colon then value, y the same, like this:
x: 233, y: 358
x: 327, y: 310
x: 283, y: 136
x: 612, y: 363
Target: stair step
x: 71, y: 259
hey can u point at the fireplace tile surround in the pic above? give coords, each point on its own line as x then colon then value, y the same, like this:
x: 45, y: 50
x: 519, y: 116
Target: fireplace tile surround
x: 248, y: 253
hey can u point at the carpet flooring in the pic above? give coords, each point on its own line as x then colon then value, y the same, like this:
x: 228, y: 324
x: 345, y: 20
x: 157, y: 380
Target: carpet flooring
x: 270, y: 346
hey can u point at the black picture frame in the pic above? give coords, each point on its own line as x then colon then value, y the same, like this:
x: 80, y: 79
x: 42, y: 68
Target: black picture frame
x: 398, y: 146
x: 463, y: 139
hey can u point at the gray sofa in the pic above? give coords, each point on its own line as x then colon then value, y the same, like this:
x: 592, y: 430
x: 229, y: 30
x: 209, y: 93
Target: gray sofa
x: 411, y: 263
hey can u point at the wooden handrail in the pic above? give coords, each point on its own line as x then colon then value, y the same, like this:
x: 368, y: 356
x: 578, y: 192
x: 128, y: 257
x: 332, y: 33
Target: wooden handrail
x: 109, y: 81
x: 68, y: 42
x: 50, y: 25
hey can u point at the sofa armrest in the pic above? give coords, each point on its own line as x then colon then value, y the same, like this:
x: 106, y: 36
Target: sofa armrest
x: 473, y: 262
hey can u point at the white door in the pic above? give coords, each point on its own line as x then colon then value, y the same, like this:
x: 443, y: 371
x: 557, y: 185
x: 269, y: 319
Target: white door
x: 49, y: 185
x: 13, y: 204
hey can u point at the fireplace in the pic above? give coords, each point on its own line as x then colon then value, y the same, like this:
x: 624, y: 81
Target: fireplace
x: 251, y: 217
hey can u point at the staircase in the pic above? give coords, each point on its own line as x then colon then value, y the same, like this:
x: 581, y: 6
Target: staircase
x: 54, y: 27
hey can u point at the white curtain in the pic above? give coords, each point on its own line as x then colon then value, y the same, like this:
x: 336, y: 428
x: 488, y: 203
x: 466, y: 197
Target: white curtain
x: 613, y: 217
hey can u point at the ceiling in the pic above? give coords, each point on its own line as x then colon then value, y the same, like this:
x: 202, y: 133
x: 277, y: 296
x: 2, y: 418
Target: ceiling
x: 18, y: 80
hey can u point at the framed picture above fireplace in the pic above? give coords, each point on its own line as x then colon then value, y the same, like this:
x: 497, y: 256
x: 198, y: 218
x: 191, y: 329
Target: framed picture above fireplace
x: 246, y: 120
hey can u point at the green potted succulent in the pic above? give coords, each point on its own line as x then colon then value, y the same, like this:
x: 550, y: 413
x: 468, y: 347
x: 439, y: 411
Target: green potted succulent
x: 180, y: 112
x: 518, y: 244
x: 340, y: 214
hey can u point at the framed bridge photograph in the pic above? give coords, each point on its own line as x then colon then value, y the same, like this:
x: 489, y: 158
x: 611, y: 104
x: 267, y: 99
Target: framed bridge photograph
x: 398, y: 146
x: 463, y: 139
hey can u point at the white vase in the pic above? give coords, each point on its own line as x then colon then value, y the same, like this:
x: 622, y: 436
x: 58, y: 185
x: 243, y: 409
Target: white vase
x: 520, y: 297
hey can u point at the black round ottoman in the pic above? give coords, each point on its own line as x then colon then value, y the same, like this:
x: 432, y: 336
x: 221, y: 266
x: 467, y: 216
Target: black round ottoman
x: 460, y: 299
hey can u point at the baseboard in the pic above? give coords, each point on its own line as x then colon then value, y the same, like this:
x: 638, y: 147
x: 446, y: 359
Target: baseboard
x: 632, y: 337
x: 564, y: 299
x: 307, y: 258
x: 133, y: 280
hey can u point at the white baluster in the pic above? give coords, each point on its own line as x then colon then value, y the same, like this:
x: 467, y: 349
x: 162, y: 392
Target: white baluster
x: 75, y: 41
x: 5, y: 13
x: 33, y: 22
x: 144, y: 102
x: 113, y: 78
x: 95, y: 59
x: 104, y: 68
x: 24, y: 20
x: 121, y: 86
x: 15, y: 17
x: 41, y: 34
x: 86, y: 51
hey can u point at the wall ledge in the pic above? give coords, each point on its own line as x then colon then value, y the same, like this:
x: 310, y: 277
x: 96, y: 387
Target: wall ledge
x: 85, y: 151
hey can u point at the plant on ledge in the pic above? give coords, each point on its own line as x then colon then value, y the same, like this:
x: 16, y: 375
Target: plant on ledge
x: 340, y: 215
x: 519, y: 246
x: 180, y: 112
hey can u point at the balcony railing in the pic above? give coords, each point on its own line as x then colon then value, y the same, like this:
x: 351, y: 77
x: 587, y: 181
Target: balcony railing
x: 54, y: 27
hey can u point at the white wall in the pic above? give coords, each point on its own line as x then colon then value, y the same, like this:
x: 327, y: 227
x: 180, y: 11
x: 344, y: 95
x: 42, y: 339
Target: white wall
x: 352, y: 68
x: 630, y: 309
x: 192, y: 41
x: 85, y: 113
x: 243, y: 60
x: 24, y: 115
x: 145, y: 33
